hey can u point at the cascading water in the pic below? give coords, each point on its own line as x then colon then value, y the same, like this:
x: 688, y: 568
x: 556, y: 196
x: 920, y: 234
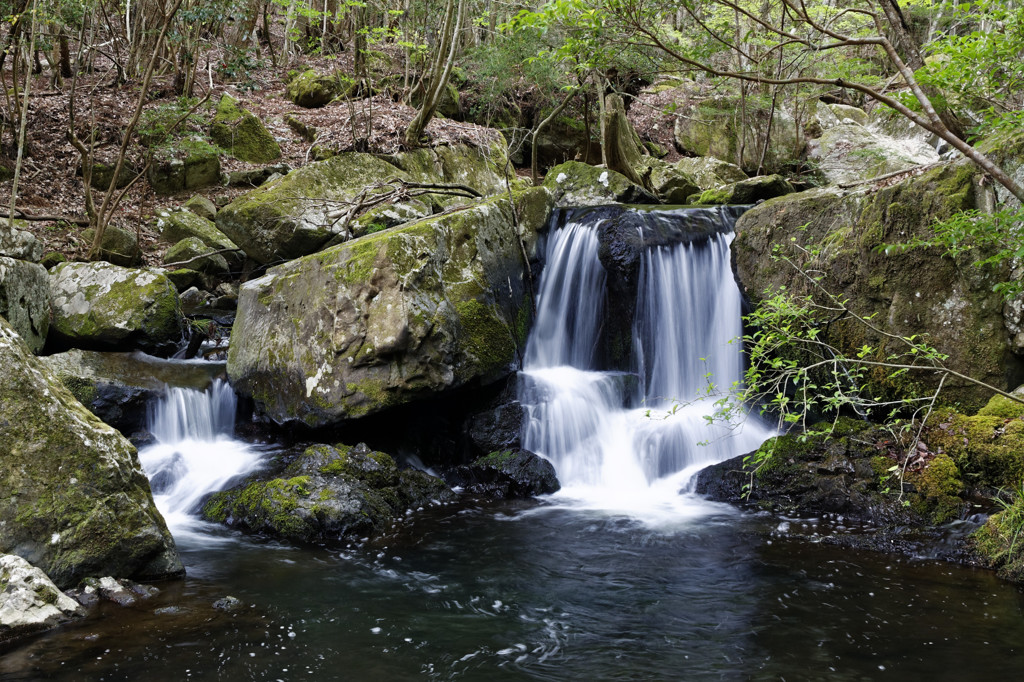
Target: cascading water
x: 195, y: 453
x: 630, y: 440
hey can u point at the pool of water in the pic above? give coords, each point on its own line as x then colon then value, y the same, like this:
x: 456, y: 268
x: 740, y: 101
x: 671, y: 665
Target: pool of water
x: 549, y: 591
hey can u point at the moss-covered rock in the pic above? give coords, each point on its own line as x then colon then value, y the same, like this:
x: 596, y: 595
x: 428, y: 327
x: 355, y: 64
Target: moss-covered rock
x: 383, y: 319
x: 117, y: 387
x: 710, y: 173
x: 311, y: 89
x: 295, y: 215
x: 988, y: 449
x: 328, y: 494
x: 174, y: 226
x: 197, y: 256
x: 118, y: 246
x: 201, y: 206
x: 1000, y: 542
x: 745, y: 192
x: 25, y: 300
x: 106, y: 307
x: 948, y: 302
x: 672, y: 184
x: 103, y: 173
x: 508, y: 474
x: 242, y: 134
x: 191, y: 167
x: 579, y: 184
x: 74, y: 500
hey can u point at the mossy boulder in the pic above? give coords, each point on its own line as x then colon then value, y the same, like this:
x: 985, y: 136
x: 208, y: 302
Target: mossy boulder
x: 998, y: 542
x: 17, y: 242
x: 850, y: 153
x: 328, y: 494
x: 747, y: 191
x: 25, y: 300
x: 117, y: 387
x: 987, y: 449
x: 671, y: 183
x: 103, y: 173
x: 579, y: 184
x: 947, y: 302
x: 119, y: 246
x: 384, y: 319
x: 242, y: 134
x: 197, y: 256
x: 508, y: 474
x: 191, y: 167
x: 295, y: 215
x: 106, y: 307
x: 75, y: 501
x: 312, y: 89
x: 201, y: 206
x: 726, y: 128
x: 174, y: 226
x: 710, y: 173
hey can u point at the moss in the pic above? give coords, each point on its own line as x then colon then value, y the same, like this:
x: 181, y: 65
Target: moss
x: 988, y: 450
x: 242, y: 134
x: 1002, y: 407
x: 1000, y: 542
x: 311, y: 89
x: 487, y: 336
x: 938, y: 490
x: 713, y: 196
x: 83, y: 389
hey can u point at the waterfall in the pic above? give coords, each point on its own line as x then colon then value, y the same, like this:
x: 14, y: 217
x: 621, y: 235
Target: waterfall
x: 195, y: 453
x: 631, y: 439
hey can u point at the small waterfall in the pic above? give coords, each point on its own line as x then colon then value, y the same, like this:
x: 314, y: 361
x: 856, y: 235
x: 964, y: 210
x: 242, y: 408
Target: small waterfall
x: 631, y: 440
x: 195, y: 453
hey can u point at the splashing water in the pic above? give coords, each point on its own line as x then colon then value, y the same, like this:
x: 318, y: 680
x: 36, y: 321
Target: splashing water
x: 195, y: 453
x: 629, y: 442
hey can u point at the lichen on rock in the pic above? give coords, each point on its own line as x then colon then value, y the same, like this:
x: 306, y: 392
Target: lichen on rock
x: 242, y: 134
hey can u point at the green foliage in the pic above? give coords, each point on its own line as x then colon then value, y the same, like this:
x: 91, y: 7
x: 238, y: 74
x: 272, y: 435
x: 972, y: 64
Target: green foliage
x: 1000, y: 542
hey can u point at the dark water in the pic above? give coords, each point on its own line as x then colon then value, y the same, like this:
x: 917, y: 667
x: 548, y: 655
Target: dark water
x: 541, y: 592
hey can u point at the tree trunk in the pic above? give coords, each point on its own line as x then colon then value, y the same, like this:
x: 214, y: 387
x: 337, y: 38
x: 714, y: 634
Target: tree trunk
x: 447, y: 48
x: 622, y: 153
x: 543, y: 124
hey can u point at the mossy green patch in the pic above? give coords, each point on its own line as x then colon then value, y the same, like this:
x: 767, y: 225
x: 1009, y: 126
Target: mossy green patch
x: 242, y: 134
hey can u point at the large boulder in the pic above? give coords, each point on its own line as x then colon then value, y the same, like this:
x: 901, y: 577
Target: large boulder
x: 190, y: 167
x: 709, y: 172
x: 196, y: 255
x: 948, y: 302
x: 328, y: 494
x: 242, y: 134
x: 174, y: 226
x: 747, y: 191
x: 25, y: 300
x: 118, y: 387
x: 299, y: 213
x: 384, y: 319
x: 508, y: 474
x: 579, y: 184
x: 118, y: 246
x: 312, y: 89
x: 75, y: 501
x: 106, y: 307
x: 17, y: 242
x: 29, y: 601
x: 849, y: 153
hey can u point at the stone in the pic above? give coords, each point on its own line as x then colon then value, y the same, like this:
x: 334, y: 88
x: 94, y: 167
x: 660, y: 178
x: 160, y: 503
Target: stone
x: 508, y: 474
x: 709, y: 172
x: 578, y: 184
x: 850, y: 153
x: 196, y: 255
x: 18, y: 243
x: 103, y: 173
x: 183, y: 280
x: 29, y: 601
x: 193, y: 169
x: 119, y: 246
x: 228, y: 604
x: 746, y: 191
x: 118, y: 387
x: 25, y: 300
x: 254, y: 177
x: 328, y: 494
x: 201, y: 206
x: 53, y: 259
x: 312, y: 90
x: 76, y: 502
x: 242, y: 134
x: 175, y: 226
x: 946, y: 301
x: 672, y: 184
x: 106, y: 307
x: 291, y: 217
x: 384, y: 319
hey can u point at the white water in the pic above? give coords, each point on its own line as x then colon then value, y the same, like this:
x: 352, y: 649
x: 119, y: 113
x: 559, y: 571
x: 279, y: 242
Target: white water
x: 195, y: 453
x: 631, y: 443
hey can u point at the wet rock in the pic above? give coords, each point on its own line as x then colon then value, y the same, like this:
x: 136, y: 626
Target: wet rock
x: 497, y: 427
x: 228, y: 604
x: 76, y: 501
x: 117, y: 387
x: 508, y: 474
x: 328, y: 494
x: 103, y: 306
x: 29, y: 601
x: 25, y: 300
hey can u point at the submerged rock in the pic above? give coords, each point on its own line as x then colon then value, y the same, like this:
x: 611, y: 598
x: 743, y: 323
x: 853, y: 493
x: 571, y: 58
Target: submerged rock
x: 25, y: 300
x: 117, y: 387
x: 103, y: 306
x: 328, y: 494
x: 75, y: 500
x: 384, y: 319
x: 29, y: 601
x: 508, y: 474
